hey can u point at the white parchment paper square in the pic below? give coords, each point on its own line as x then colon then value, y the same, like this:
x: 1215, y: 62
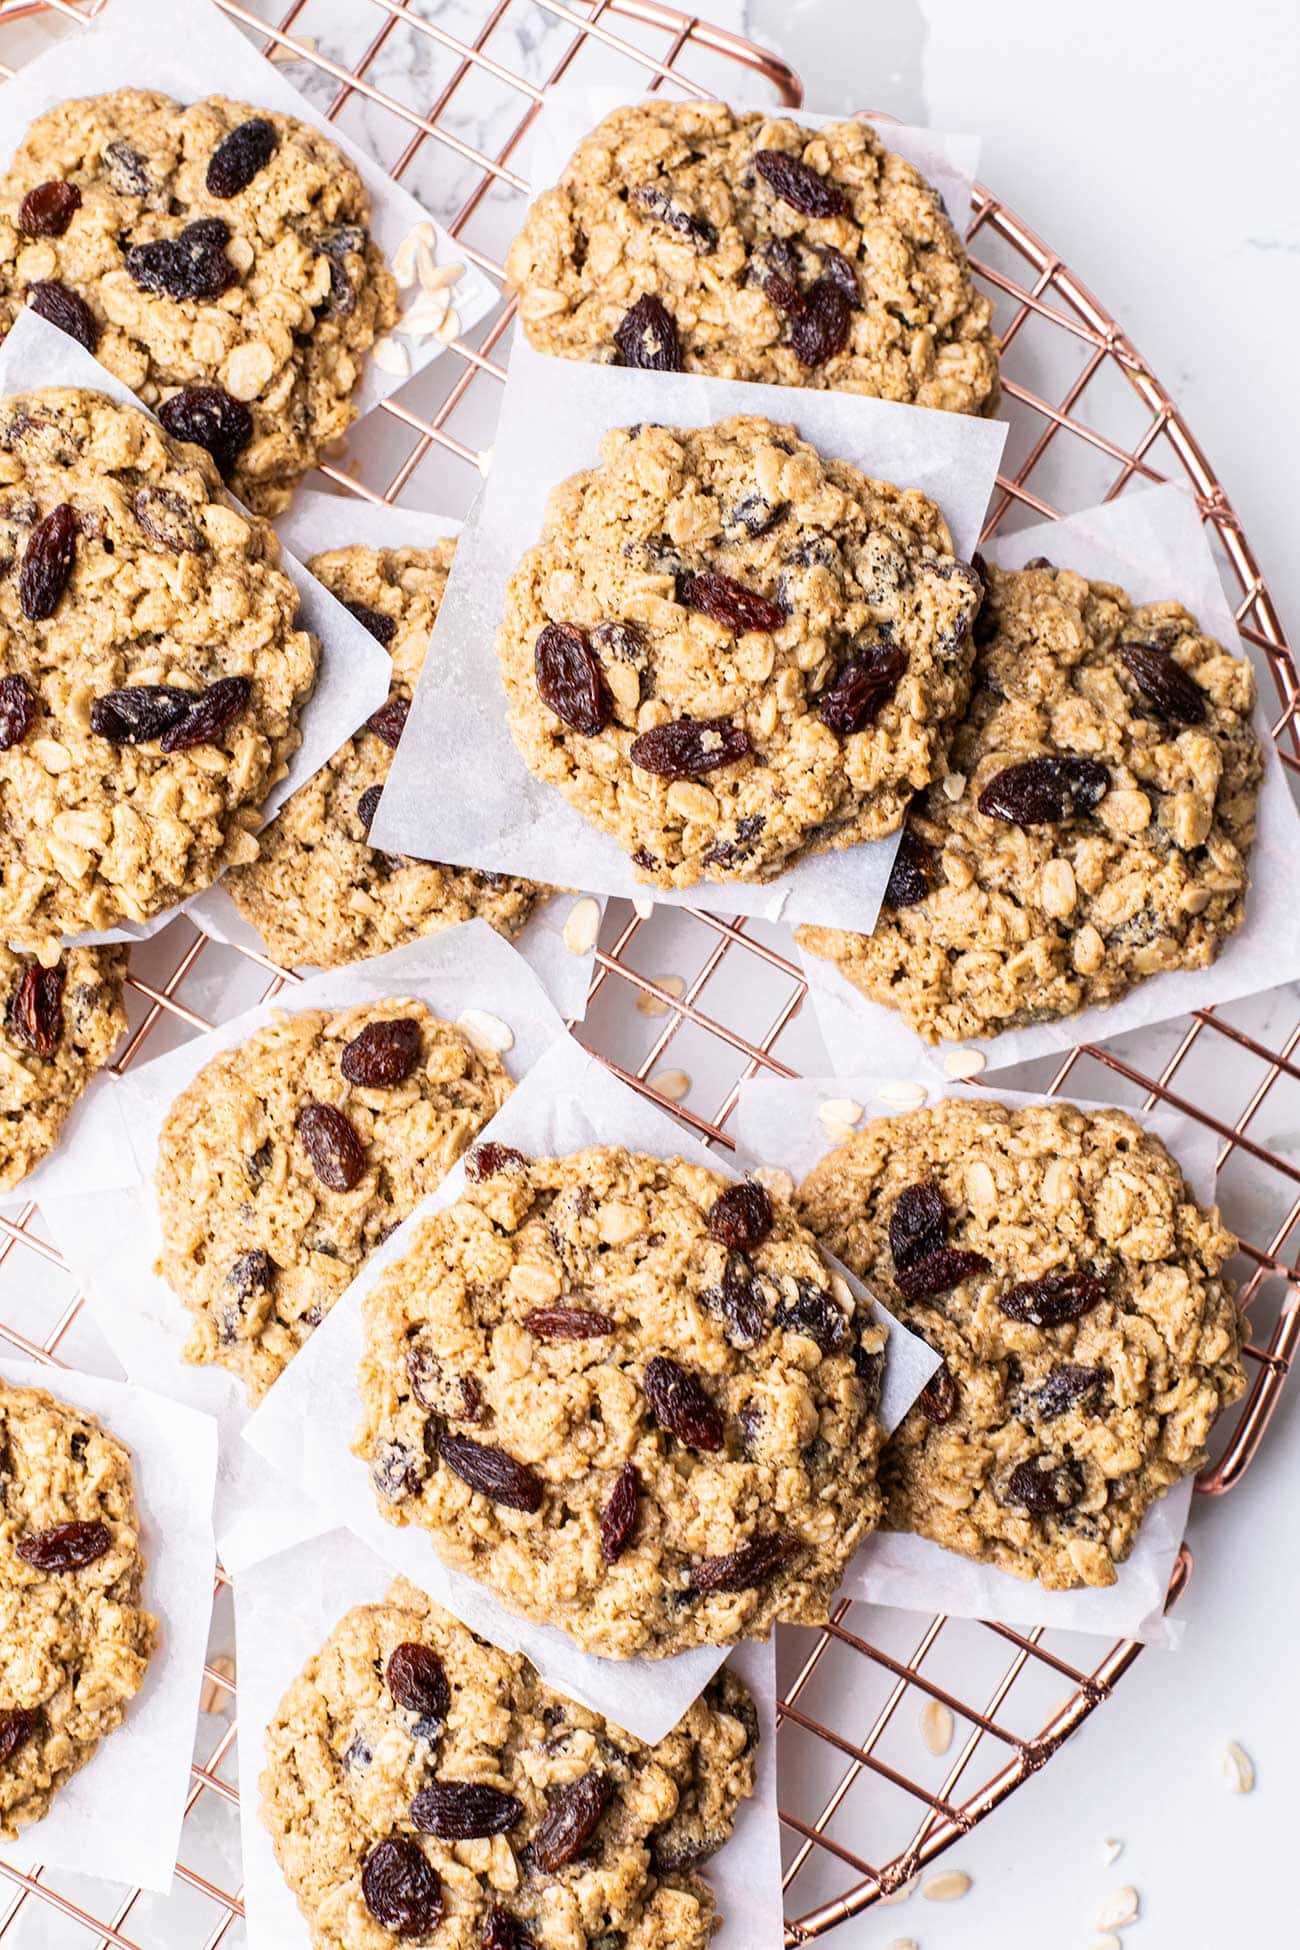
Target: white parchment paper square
x: 188, y: 49
x: 1150, y: 540
x: 111, y: 1239
x: 95, y: 1826
x: 914, y: 1573
x: 284, y: 1609
x: 488, y: 810
x: 315, y: 523
x: 305, y: 1425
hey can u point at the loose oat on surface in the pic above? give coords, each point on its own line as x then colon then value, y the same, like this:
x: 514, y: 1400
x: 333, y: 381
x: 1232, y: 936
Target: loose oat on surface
x: 729, y: 652
x: 318, y: 893
x: 291, y: 1157
x: 1139, y: 817
x: 1059, y: 1263
x: 58, y: 1027
x: 367, y: 1760
x: 212, y: 246
x: 154, y: 673
x: 770, y: 252
x: 631, y: 1398
x: 74, y: 1642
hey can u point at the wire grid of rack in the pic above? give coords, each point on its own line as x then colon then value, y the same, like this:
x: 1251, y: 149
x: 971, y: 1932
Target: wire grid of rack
x: 1088, y: 420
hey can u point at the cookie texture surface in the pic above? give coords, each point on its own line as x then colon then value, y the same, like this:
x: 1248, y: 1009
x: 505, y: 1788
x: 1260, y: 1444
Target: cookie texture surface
x: 74, y: 1640
x: 422, y: 1786
x: 318, y: 892
x: 291, y: 1157
x: 630, y: 1398
x: 688, y: 236
x: 728, y: 651
x: 154, y: 670
x: 1097, y: 826
x: 215, y: 257
x: 1059, y: 1263
x: 58, y: 1027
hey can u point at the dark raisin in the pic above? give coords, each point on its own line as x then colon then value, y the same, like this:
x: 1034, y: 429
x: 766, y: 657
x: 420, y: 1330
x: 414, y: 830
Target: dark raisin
x: 911, y: 877
x: 399, y: 1883
x: 47, y: 563
x: 869, y: 1367
x: 396, y: 1471
x: 569, y: 679
x: 65, y: 1547
x: 1044, y: 1491
x: 1044, y: 791
x: 47, y: 210
x: 493, y: 1473
x: 1164, y: 684
x: 841, y: 274
x: 861, y: 687
x: 567, y: 1324
x: 755, y: 515
x: 820, y: 331
x: 454, y: 1396
x: 938, y: 1272
x: 684, y: 1844
x: 337, y: 1154
x: 209, y: 713
x: 1065, y: 1386
x: 139, y: 712
x: 723, y: 853
x: 1053, y: 1300
x: 463, y: 1811
x: 680, y: 1405
x: 259, y: 1163
x: 389, y: 721
x: 656, y: 203
x: 382, y: 628
x: 36, y: 1012
x: 239, y: 156
x: 618, y: 1518
x: 368, y: 805
x: 357, y: 1755
x: 337, y: 244
x: 745, y: 1569
x: 253, y: 1272
x: 487, y: 1160
x: 17, y: 1726
x: 504, y: 1932
x: 918, y: 1224
x: 740, y: 1301
x: 17, y: 711
x: 383, y: 1054
x: 799, y: 185
x: 66, y: 309
x: 572, y: 1817
x: 127, y: 171
x: 689, y: 745
x: 210, y: 418
x: 741, y: 1217
x: 166, y: 518
x: 728, y: 602
x: 191, y: 266
x: 647, y: 337
x: 937, y: 1401
x: 816, y: 1314
x: 624, y: 642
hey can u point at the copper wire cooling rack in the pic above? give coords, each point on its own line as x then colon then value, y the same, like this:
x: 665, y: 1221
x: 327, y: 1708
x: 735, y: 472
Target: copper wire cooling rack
x: 1088, y: 419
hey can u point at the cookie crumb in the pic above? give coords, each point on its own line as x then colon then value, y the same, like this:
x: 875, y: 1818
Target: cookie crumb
x: 771, y: 1177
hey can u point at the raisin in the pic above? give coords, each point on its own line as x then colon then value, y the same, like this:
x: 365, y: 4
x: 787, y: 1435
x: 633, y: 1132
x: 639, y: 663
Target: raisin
x: 58, y: 305
x: 756, y: 515
x: 618, y: 1518
x: 166, y: 519
x: 66, y: 1547
x: 47, y: 563
x: 724, y: 852
x: 740, y: 1301
x: 624, y: 642
x: 799, y: 185
x: 911, y: 877
x: 257, y: 1166
x: 368, y: 805
x: 337, y: 1154
x: 383, y: 1054
x: 504, y: 1932
x: 937, y: 1401
x: 1053, y: 1300
x: 253, y: 1272
x: 486, y: 1160
x: 1043, y: 1492
x: 47, y: 210
x: 741, y: 1217
x: 861, y: 687
x: 1044, y: 791
x: 836, y: 268
x: 918, y: 1224
x: 193, y: 265
x: 17, y: 711
x: 389, y: 721
x: 820, y: 331
x: 454, y: 1396
x: 357, y: 1756
x: 211, y: 419
x: 209, y: 713
x: 139, y: 712
x: 396, y: 1471
x: 239, y: 156
x: 680, y: 1405
x: 127, y: 171
x: 36, y: 1012
x: 572, y: 1817
x: 337, y: 244
x: 869, y: 1367
x: 656, y: 203
x: 464, y: 1811
x: 728, y: 602
x: 16, y: 1728
x: 569, y: 680
x: 647, y: 337
x: 1065, y: 1386
x: 382, y: 628
x: 689, y: 745
x: 567, y: 1324
x: 493, y: 1473
x: 1164, y: 684
x: 745, y: 1569
x: 815, y: 1314
x: 938, y: 1272
x: 399, y: 1883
